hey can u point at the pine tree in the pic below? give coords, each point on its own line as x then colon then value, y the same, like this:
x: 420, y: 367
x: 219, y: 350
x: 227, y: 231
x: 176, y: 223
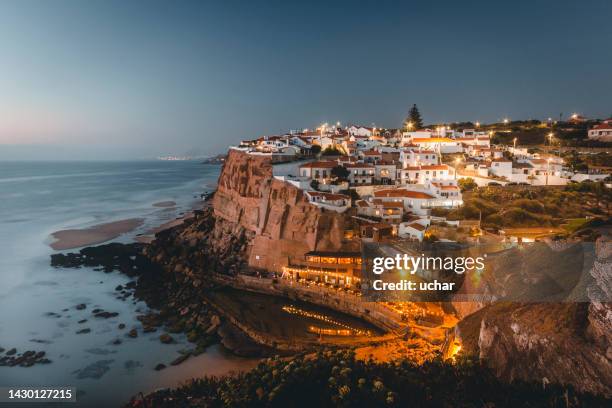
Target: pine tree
x: 414, y: 120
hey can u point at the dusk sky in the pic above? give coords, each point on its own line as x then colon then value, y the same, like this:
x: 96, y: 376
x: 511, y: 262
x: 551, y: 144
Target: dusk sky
x: 135, y: 79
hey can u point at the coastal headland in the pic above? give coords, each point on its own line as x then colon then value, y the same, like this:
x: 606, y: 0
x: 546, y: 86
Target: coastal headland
x: 253, y: 229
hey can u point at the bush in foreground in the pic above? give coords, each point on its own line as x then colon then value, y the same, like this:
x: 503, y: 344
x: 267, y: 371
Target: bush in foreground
x: 337, y: 379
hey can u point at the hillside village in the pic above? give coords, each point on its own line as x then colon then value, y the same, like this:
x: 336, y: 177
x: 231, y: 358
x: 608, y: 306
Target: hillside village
x: 393, y: 179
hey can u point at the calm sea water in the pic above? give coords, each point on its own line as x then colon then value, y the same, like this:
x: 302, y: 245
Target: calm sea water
x: 38, y: 198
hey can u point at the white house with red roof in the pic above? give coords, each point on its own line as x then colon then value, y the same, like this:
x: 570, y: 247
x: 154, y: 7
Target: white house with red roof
x: 413, y: 230
x: 370, y: 156
x: 417, y: 157
x: 318, y: 170
x: 360, y: 131
x: 425, y: 174
x: 418, y: 202
x: 335, y: 202
x: 439, y: 144
x: 388, y: 211
x: 602, y: 131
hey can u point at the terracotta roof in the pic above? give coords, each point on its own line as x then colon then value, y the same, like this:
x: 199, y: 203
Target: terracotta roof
x: 417, y: 226
x: 402, y: 193
x: 371, y: 153
x: 432, y: 140
x: 319, y: 165
x: 328, y: 196
x: 602, y: 126
x: 362, y: 204
x: 358, y: 165
x: 435, y: 167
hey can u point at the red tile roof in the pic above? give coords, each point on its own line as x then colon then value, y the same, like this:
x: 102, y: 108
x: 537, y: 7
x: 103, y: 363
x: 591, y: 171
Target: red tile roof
x: 319, y: 165
x: 602, y: 126
x: 328, y: 196
x: 358, y: 166
x: 432, y: 140
x: 417, y: 226
x: 403, y: 194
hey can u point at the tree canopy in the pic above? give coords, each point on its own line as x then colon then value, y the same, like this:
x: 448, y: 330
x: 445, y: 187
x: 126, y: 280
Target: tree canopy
x: 414, y: 120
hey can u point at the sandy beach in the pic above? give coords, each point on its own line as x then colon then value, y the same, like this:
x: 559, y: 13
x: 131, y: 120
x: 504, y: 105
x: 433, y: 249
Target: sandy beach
x: 149, y: 236
x: 97, y: 234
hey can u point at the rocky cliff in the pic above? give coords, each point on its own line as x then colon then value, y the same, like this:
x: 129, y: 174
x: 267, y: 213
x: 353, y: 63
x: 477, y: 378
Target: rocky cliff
x: 255, y: 221
x: 565, y: 342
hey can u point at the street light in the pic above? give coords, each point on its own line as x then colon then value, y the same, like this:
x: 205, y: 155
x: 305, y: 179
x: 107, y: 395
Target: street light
x: 477, y: 124
x: 514, y: 140
x: 409, y: 125
x: 551, y: 135
x: 506, y: 121
x: 457, y: 161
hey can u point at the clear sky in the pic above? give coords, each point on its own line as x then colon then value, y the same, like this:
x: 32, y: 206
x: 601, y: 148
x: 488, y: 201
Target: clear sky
x: 122, y: 79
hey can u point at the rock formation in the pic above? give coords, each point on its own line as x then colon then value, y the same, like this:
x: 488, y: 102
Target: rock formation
x: 554, y: 342
x: 256, y: 221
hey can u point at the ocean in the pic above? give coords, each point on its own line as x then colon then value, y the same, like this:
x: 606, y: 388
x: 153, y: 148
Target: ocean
x: 37, y: 302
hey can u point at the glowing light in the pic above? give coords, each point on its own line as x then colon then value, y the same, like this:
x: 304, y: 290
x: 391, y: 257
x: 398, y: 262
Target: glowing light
x: 321, y: 317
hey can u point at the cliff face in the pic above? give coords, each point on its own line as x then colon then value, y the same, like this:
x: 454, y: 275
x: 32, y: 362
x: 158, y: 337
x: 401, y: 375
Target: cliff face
x: 276, y: 215
x: 255, y: 221
x: 566, y: 343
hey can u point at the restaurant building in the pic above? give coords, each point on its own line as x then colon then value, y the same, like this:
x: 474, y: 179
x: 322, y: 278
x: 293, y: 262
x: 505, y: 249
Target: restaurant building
x: 336, y: 268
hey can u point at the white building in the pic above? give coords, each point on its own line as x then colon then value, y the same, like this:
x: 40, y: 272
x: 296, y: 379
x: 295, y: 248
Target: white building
x: 318, y: 170
x: 601, y: 132
x: 360, y: 131
x: 360, y: 173
x: 439, y: 144
x: 388, y: 211
x: 385, y: 172
x: 335, y: 202
x: 425, y: 174
x: 501, y: 168
x: 417, y: 202
x: 417, y: 157
x: 413, y: 230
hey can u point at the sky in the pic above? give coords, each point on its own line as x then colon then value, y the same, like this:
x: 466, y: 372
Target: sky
x: 136, y: 79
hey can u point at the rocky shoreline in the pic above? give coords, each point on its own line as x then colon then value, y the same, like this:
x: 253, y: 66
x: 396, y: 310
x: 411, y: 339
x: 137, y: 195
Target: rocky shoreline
x: 176, y: 302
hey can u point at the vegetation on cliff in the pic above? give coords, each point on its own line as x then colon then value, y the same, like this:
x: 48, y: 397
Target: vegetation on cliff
x: 338, y: 379
x: 530, y: 207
